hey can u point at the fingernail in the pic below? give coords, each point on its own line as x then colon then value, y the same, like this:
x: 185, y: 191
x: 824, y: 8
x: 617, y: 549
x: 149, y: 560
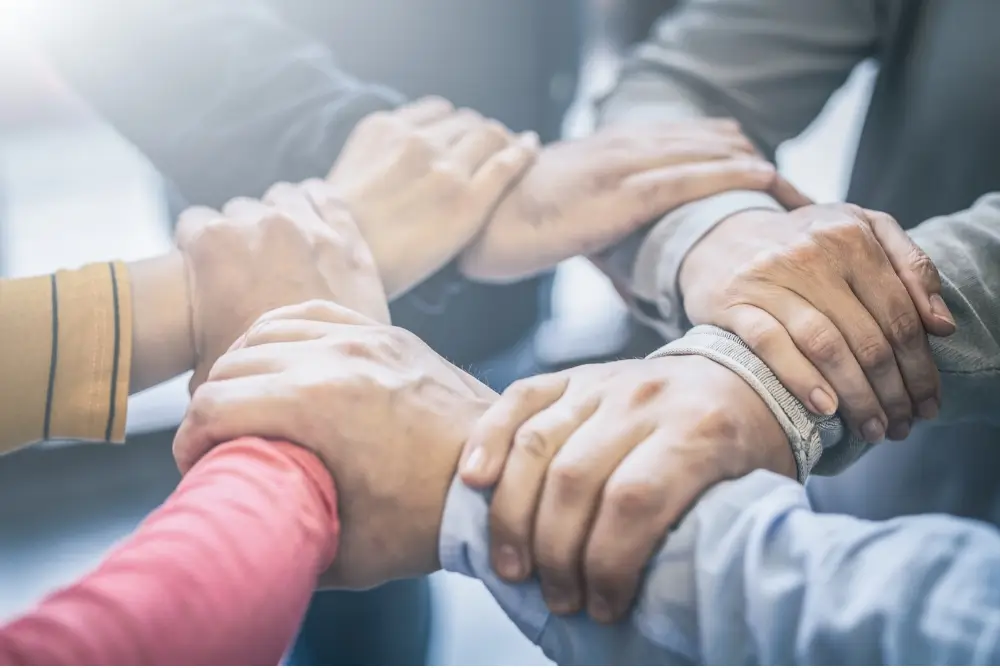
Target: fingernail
x: 928, y: 409
x: 941, y: 311
x: 600, y: 609
x: 508, y: 563
x: 822, y: 402
x: 559, y: 601
x: 899, y: 431
x: 873, y: 431
x: 475, y: 464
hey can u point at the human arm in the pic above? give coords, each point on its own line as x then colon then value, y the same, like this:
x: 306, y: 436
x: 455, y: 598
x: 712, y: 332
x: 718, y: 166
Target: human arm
x: 221, y: 573
x: 76, y: 342
x: 190, y: 81
x: 753, y: 576
x: 694, y: 64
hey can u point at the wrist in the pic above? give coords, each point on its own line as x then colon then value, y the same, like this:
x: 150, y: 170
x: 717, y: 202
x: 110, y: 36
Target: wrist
x: 162, y: 344
x: 702, y: 260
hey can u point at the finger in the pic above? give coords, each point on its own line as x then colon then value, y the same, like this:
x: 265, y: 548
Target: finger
x: 916, y: 271
x: 787, y: 194
x: 569, y: 501
x: 424, y: 111
x: 769, y: 341
x: 512, y: 510
x: 664, y: 189
x: 477, y: 145
x: 192, y: 221
x: 318, y: 310
x: 486, y: 449
x: 881, y: 291
x: 646, y: 495
x: 449, y: 129
x: 502, y: 170
x: 834, y: 298
x: 246, y: 209
x: 249, y: 361
x: 334, y: 212
x: 823, y: 343
x: 225, y: 410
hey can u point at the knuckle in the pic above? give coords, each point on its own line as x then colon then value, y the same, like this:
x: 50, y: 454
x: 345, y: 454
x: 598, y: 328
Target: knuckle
x: 874, y: 353
x: 417, y: 149
x: 923, y: 266
x: 532, y: 443
x: 379, y: 120
x: 528, y: 392
x: 820, y: 343
x: 204, y: 406
x: 905, y: 330
x: 633, y: 498
x: 568, y: 481
x: 760, y: 334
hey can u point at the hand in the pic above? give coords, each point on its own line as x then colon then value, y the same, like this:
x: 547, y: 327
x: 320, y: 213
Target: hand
x: 582, y: 196
x: 595, y: 464
x: 385, y: 413
x: 258, y: 255
x: 423, y: 180
x: 835, y: 300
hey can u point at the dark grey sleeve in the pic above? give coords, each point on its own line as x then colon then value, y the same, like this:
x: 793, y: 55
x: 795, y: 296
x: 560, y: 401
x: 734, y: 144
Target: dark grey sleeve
x: 222, y: 95
x: 770, y: 64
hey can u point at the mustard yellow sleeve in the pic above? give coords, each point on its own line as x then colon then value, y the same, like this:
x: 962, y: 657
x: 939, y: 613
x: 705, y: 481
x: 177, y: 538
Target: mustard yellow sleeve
x: 65, y: 356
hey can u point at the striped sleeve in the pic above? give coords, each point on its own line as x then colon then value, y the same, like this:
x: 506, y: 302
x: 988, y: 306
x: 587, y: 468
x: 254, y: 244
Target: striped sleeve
x: 65, y: 356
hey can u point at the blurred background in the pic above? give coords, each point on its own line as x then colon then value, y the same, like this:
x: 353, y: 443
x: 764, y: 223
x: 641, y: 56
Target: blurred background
x: 74, y: 189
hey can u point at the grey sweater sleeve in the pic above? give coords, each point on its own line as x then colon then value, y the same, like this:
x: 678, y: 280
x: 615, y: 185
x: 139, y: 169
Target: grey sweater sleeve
x: 966, y: 249
x: 770, y: 64
x: 224, y: 97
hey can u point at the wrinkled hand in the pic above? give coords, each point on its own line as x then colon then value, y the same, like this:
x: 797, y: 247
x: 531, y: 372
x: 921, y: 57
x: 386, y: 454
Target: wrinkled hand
x: 385, y: 413
x: 582, y: 196
x: 423, y: 180
x: 595, y: 465
x: 257, y: 255
x: 835, y: 300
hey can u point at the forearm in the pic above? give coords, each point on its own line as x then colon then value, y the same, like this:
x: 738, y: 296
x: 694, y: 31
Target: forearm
x: 751, y: 575
x: 220, y: 574
x: 694, y: 65
x: 965, y: 247
x: 162, y: 337
x: 67, y: 352
x: 224, y: 97
x: 754, y: 576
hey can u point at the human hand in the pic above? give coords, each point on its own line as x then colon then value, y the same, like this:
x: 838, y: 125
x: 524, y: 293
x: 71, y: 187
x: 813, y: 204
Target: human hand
x: 582, y: 196
x: 423, y: 180
x: 257, y: 255
x: 384, y: 412
x: 835, y: 299
x: 597, y: 463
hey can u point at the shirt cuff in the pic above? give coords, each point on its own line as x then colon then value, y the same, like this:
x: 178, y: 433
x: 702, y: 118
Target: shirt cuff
x: 463, y: 547
x: 655, y: 263
x: 819, y: 443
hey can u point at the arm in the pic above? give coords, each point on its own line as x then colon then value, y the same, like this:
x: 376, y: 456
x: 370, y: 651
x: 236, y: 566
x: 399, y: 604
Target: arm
x: 751, y: 575
x: 77, y: 342
x: 223, y: 97
x: 220, y: 574
x: 965, y: 247
x: 695, y: 64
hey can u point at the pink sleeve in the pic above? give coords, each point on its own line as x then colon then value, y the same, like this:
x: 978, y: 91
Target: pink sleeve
x: 220, y: 574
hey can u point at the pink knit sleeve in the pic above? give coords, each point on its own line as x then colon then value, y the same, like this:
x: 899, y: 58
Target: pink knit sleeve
x: 221, y: 573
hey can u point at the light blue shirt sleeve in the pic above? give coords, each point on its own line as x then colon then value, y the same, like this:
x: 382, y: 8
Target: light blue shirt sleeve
x: 753, y: 576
